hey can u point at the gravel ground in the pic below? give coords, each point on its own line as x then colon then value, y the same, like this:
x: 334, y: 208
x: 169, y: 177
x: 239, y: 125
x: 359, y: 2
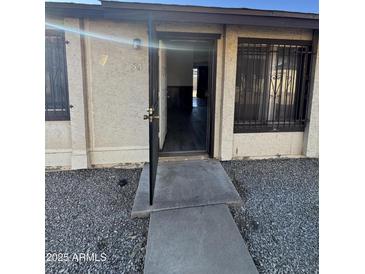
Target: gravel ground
x: 88, y: 212
x: 279, y: 217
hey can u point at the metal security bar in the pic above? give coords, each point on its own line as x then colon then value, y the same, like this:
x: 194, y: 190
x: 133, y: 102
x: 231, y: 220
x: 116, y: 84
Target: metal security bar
x: 57, y: 103
x: 272, y: 85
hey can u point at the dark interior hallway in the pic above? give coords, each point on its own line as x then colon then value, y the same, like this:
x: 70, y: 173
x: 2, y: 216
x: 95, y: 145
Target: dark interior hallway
x: 187, y: 72
x: 186, y: 128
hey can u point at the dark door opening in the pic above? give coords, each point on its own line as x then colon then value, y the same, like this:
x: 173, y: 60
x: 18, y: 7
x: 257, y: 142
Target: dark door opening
x: 188, y: 92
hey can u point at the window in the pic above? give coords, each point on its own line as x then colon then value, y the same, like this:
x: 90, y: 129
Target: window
x: 57, y: 106
x: 272, y: 85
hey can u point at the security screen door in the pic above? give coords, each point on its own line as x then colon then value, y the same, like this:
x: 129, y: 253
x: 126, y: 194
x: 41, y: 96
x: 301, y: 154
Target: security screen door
x: 153, y: 108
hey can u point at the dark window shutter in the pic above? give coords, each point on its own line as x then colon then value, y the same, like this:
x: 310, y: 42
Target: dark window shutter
x: 56, y: 85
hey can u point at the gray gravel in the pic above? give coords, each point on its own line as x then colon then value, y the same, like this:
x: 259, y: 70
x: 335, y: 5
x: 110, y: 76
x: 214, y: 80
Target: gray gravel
x: 88, y: 212
x: 279, y: 218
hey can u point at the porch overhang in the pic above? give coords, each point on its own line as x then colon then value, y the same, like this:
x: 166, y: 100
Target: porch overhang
x: 176, y: 13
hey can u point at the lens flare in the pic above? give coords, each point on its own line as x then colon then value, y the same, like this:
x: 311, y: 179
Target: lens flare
x: 167, y: 45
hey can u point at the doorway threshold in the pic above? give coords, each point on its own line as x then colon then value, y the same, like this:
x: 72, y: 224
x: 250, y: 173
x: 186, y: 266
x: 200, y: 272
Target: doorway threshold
x: 183, y: 156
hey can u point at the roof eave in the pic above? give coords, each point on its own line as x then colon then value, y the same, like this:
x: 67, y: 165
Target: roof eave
x: 138, y: 12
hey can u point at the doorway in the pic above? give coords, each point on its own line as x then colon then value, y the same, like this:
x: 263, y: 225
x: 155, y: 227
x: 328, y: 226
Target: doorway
x: 186, y: 94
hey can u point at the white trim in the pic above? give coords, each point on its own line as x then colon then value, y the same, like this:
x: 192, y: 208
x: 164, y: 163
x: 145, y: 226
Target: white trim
x: 97, y: 149
x: 54, y: 151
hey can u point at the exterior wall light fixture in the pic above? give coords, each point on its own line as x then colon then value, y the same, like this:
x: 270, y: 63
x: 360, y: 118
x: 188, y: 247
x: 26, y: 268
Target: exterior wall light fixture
x: 136, y: 43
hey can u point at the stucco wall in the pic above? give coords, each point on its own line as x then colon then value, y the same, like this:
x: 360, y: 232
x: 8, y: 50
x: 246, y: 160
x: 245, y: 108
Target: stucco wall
x: 114, y: 87
x: 58, y: 143
x: 267, y: 144
x: 118, y: 92
x: 311, y: 134
x: 117, y: 132
x: 252, y: 144
x: 77, y: 91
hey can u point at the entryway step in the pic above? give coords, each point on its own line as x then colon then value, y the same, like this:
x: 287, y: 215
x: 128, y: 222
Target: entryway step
x: 181, y: 184
x: 200, y: 240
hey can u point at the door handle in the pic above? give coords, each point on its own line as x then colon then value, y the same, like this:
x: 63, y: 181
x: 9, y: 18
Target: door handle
x: 150, y: 115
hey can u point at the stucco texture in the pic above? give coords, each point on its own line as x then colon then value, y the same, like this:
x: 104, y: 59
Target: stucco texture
x: 118, y: 91
x: 58, y: 135
x: 58, y: 143
x: 253, y: 144
x: 113, y: 90
x: 267, y: 144
x: 119, y: 85
x: 311, y: 146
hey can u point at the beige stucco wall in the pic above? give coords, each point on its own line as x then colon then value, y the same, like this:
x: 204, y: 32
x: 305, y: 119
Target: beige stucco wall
x: 118, y: 134
x: 118, y: 92
x: 73, y: 153
x: 110, y: 79
x: 77, y: 92
x: 189, y: 27
x: 58, y: 143
x: 108, y: 88
x: 267, y: 144
x: 113, y: 88
x: 252, y: 144
x: 58, y: 135
x: 311, y: 134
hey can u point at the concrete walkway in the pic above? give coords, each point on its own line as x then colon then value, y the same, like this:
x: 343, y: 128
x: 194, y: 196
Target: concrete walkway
x: 202, y: 239
x: 191, y: 229
x: 185, y: 184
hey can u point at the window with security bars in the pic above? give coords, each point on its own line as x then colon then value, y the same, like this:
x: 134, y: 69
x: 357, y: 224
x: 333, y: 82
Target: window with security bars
x: 272, y: 85
x: 57, y: 104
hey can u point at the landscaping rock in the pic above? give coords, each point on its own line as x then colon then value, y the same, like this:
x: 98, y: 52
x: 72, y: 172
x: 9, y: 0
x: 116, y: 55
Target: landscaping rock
x: 88, y: 212
x: 279, y: 216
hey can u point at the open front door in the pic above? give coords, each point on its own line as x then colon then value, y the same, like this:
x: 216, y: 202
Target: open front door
x: 212, y: 53
x: 153, y: 109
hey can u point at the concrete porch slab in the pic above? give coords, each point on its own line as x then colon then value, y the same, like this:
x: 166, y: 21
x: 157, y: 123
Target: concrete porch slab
x: 185, y: 184
x: 196, y: 240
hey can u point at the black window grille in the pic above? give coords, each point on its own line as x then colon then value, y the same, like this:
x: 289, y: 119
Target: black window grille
x: 272, y: 85
x: 57, y: 104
